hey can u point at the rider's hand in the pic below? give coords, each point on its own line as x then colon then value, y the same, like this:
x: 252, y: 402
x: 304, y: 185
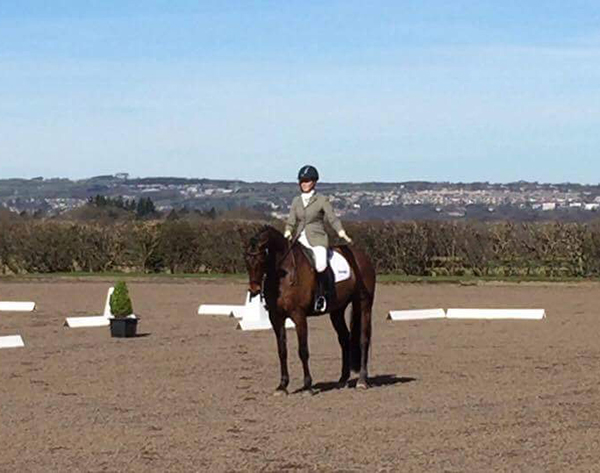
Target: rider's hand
x: 342, y: 234
x: 288, y: 234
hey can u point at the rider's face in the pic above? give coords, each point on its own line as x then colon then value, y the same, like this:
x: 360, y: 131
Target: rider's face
x: 307, y: 186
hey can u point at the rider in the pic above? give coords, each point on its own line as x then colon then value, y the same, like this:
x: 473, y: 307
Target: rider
x: 308, y: 212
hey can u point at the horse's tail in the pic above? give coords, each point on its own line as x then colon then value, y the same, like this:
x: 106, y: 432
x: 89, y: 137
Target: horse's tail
x: 355, y: 330
x: 365, y: 294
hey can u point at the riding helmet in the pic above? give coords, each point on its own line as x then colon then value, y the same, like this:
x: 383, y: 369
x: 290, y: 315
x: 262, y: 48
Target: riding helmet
x: 308, y: 173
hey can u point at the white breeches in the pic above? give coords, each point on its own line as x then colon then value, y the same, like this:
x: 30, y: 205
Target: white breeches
x: 320, y: 253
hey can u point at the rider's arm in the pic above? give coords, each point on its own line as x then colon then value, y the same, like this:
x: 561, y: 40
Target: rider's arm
x: 331, y: 217
x: 291, y: 220
x: 334, y: 221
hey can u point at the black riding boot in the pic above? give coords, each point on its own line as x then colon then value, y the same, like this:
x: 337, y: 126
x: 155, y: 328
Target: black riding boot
x: 325, y: 290
x: 321, y: 296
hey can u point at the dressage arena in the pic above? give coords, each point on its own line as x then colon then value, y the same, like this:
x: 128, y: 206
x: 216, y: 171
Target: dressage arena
x: 192, y: 393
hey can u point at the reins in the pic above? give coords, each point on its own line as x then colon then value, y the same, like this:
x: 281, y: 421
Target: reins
x: 287, y: 252
x: 282, y: 259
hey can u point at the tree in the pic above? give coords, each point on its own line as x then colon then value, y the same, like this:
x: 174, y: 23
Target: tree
x: 145, y: 207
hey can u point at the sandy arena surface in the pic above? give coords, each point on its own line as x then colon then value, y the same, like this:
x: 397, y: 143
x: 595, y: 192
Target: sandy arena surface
x: 195, y: 394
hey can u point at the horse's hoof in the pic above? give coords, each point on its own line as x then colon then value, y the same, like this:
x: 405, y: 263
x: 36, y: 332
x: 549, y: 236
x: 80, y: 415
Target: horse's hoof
x: 308, y: 392
x: 342, y: 383
x: 280, y: 392
x: 362, y: 385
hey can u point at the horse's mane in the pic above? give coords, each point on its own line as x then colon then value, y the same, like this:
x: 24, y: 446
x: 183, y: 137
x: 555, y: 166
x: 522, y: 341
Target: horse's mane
x: 265, y: 236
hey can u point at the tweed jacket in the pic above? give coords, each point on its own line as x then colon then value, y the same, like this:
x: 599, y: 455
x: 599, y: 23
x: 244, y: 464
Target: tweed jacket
x: 312, y: 218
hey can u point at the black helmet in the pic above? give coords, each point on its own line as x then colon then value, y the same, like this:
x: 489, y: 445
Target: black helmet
x: 308, y: 173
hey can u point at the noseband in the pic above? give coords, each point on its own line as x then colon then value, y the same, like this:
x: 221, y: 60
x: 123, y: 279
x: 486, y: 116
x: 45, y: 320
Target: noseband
x: 256, y: 254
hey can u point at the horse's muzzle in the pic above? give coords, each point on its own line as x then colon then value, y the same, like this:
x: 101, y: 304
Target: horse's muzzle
x: 254, y: 289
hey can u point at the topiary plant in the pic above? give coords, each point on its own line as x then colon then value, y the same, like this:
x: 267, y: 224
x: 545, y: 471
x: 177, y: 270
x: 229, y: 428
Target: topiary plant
x: 120, y: 303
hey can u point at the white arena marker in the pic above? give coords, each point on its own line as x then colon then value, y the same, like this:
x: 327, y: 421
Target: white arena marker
x: 229, y: 310
x: 238, y: 312
x: 419, y: 314
x: 89, y: 321
x: 93, y: 320
x: 256, y: 317
x: 107, y: 312
x: 11, y: 341
x: 215, y: 309
x: 496, y: 314
x: 17, y: 306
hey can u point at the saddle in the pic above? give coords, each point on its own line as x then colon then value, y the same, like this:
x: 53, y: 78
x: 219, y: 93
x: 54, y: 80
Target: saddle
x: 335, y: 262
x: 337, y: 270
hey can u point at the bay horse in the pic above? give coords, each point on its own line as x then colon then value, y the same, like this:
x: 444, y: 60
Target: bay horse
x: 281, y: 272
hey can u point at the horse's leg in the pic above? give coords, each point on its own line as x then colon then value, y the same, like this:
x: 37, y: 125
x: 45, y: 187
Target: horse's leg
x: 339, y: 324
x: 278, y: 323
x: 365, y: 340
x: 299, y: 319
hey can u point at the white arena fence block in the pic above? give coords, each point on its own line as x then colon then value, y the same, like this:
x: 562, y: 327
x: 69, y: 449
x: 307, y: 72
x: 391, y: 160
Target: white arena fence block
x: 256, y: 317
x: 215, y: 309
x: 416, y: 314
x: 238, y: 312
x: 249, y: 325
x: 229, y: 310
x: 496, y: 314
x: 107, y: 312
x: 11, y: 341
x: 90, y: 321
x: 17, y: 306
x: 93, y: 320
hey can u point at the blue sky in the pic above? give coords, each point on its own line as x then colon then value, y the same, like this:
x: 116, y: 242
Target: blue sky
x: 366, y: 91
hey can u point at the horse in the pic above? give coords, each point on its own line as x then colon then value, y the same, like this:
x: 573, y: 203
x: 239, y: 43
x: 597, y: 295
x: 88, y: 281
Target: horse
x: 281, y: 273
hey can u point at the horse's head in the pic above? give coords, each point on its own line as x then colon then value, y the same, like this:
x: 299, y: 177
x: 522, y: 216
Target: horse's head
x: 256, y: 263
x: 261, y: 251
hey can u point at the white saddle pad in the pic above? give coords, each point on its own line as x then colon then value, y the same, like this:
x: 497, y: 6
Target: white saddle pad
x: 339, y: 265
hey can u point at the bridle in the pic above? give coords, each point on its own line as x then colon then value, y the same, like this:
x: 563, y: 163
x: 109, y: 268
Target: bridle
x: 256, y: 254
x: 265, y: 253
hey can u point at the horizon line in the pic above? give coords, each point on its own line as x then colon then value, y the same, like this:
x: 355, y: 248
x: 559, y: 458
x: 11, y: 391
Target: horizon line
x: 411, y: 181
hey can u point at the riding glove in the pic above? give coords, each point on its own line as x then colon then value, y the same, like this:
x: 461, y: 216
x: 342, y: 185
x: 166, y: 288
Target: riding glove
x: 342, y: 234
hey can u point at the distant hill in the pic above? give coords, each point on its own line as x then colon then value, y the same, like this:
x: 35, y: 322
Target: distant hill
x: 411, y: 200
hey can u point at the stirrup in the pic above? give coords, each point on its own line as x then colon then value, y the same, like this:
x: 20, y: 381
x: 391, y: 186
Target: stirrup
x: 321, y: 304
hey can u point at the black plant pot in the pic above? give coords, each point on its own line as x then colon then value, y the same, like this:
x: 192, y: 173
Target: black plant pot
x: 123, y: 327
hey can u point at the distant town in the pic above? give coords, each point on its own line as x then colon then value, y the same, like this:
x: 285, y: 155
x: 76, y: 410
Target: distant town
x: 524, y: 201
